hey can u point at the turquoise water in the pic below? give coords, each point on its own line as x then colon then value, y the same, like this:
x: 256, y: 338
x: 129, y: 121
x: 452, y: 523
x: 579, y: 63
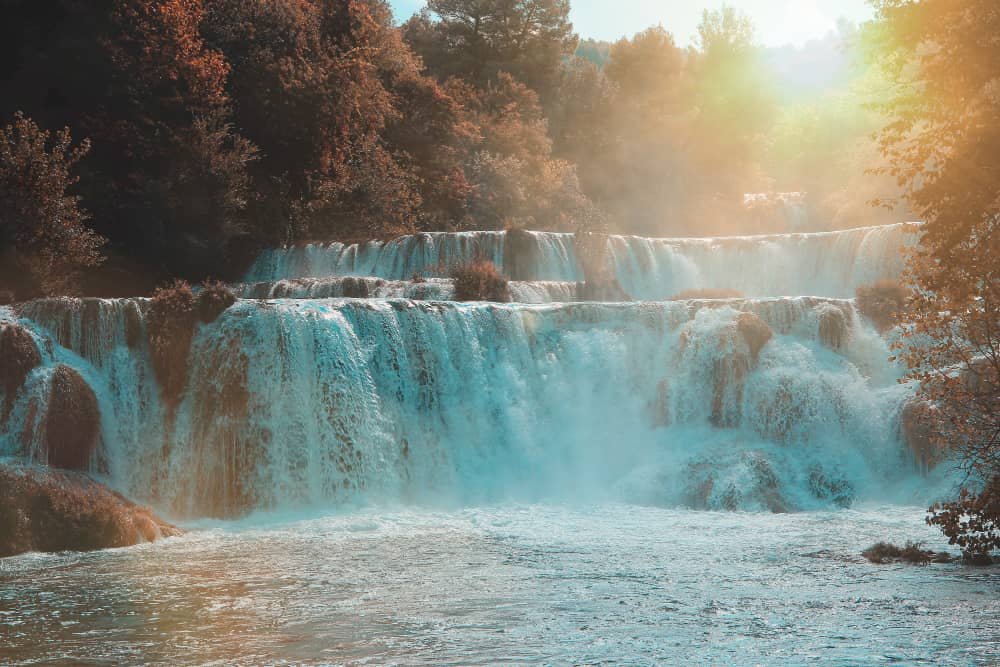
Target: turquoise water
x: 514, y: 584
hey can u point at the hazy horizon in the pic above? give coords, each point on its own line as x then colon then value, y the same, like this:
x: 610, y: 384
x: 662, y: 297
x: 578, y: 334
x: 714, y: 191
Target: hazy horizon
x: 778, y: 22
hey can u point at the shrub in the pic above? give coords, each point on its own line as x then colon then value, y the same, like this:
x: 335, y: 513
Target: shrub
x: 884, y: 552
x: 972, y: 522
x: 881, y: 302
x: 479, y: 280
x: 170, y: 324
x: 707, y: 293
x: 213, y: 299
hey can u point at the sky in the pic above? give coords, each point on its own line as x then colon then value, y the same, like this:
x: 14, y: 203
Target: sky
x: 779, y: 22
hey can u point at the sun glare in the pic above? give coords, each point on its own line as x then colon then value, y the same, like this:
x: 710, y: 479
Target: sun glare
x: 803, y: 21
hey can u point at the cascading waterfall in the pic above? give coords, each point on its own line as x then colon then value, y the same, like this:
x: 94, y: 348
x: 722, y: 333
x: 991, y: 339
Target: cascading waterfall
x: 334, y: 390
x: 831, y: 264
x: 322, y: 401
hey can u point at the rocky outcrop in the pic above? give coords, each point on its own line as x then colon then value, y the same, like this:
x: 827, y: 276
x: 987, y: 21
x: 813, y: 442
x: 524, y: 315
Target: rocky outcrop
x: 19, y: 356
x: 834, y: 325
x: 917, y: 434
x: 213, y: 299
x: 740, y: 350
x: 53, y: 510
x: 520, y: 251
x: 73, y: 421
x: 882, y: 303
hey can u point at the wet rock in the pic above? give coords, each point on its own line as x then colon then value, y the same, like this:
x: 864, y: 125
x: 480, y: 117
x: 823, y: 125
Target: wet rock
x: 213, y: 299
x: 53, y: 510
x: 607, y: 290
x: 19, y: 355
x: 707, y: 293
x: 915, y: 429
x: 754, y: 331
x: 170, y: 326
x: 519, y: 254
x: 748, y: 482
x: 740, y: 350
x: 834, y: 326
x: 882, y: 303
x: 73, y: 421
x: 831, y: 488
x: 659, y: 407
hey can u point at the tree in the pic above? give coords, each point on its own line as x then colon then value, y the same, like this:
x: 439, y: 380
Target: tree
x: 166, y: 179
x: 477, y: 39
x: 44, y: 240
x: 734, y: 103
x: 355, y: 141
x: 516, y: 181
x: 943, y: 146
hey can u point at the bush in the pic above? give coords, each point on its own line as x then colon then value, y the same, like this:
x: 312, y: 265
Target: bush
x: 707, y: 293
x: 972, y: 522
x: 883, y: 552
x: 881, y: 302
x: 213, y: 299
x: 170, y: 324
x: 479, y: 280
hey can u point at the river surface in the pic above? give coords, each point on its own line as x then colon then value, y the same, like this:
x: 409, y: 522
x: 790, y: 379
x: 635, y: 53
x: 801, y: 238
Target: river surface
x: 508, y: 584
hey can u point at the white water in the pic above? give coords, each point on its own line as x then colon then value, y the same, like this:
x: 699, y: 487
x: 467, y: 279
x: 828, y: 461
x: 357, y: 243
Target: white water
x: 429, y: 289
x: 440, y: 483
x: 327, y: 402
x: 513, y: 584
x: 829, y: 264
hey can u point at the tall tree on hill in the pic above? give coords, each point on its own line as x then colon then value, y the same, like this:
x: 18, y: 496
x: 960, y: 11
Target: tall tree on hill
x: 355, y: 141
x: 943, y: 146
x: 477, y: 39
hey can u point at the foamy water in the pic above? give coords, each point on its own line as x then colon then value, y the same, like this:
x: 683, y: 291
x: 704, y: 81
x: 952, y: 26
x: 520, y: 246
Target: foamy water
x: 521, y: 584
x: 415, y: 481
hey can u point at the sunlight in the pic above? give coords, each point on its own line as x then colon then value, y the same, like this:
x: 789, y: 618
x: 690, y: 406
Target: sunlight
x: 803, y: 21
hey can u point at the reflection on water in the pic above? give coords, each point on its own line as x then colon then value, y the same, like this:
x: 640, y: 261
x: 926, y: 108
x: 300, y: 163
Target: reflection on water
x: 517, y: 584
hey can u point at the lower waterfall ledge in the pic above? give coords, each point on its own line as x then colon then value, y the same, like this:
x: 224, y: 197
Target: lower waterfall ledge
x: 42, y: 509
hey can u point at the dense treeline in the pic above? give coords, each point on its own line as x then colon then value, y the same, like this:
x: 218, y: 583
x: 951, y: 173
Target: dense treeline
x: 208, y: 129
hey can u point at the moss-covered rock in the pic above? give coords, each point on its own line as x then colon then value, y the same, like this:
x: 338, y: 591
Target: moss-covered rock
x: 53, y: 510
x: 834, y: 326
x: 73, y: 421
x: 170, y: 326
x: 212, y: 301
x: 19, y: 356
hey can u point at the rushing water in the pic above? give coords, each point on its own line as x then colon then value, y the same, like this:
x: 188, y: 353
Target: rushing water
x: 520, y: 584
x: 410, y: 480
x: 829, y: 264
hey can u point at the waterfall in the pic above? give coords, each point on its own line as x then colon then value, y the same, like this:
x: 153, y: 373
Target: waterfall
x: 831, y: 264
x: 341, y: 401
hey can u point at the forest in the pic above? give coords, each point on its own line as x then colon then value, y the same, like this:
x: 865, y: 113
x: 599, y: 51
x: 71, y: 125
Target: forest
x: 146, y: 141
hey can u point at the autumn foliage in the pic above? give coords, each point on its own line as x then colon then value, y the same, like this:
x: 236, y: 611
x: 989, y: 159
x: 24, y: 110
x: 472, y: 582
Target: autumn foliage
x: 943, y: 146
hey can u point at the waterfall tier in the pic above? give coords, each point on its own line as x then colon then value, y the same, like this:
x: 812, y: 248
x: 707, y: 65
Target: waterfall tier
x: 831, y: 264
x: 779, y: 403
